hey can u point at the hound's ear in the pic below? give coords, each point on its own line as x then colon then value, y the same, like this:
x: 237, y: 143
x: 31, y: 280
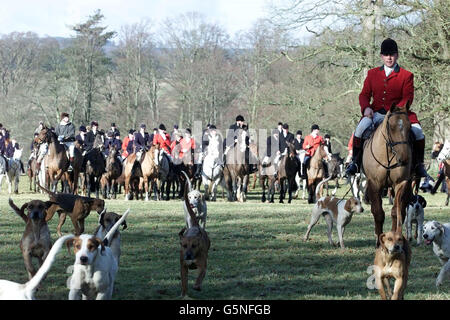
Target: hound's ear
x: 48, y: 204
x: 181, y: 233
x: 393, y: 106
x: 69, y: 243
x: 407, y: 105
x: 382, y: 236
x: 441, y: 227
x: 101, y: 243
x: 423, y: 202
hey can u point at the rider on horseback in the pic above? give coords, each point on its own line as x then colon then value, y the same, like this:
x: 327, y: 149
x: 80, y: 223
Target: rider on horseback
x: 387, y: 85
x: 65, y: 131
x: 163, y: 139
x: 141, y: 141
x: 284, y: 137
x: 310, y: 145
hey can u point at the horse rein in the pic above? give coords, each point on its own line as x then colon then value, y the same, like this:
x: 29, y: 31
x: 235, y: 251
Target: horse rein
x: 390, y: 145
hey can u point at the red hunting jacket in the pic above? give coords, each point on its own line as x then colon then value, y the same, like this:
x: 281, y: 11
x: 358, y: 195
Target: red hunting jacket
x: 164, y: 144
x: 314, y: 143
x: 398, y: 88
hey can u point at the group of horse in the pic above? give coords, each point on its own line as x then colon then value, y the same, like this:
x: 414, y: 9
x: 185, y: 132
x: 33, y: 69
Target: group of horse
x: 386, y: 164
x: 153, y: 172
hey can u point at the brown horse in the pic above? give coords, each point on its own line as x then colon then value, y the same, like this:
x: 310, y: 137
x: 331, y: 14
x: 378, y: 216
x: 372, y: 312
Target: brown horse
x: 289, y: 166
x: 113, y: 171
x: 315, y: 173
x: 148, y: 169
x: 236, y: 171
x: 58, y: 162
x: 32, y: 170
x: 387, y: 163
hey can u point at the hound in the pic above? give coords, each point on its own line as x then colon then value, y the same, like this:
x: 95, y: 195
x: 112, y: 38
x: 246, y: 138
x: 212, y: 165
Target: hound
x: 95, y: 266
x: 36, y: 242
x: 439, y: 234
x: 415, y: 214
x: 105, y: 223
x: 197, y: 203
x: 334, y: 210
x: 392, y: 259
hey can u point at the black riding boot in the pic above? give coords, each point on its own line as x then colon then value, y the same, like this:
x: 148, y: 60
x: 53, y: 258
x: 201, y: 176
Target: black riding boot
x: 325, y: 168
x: 198, y: 171
x: 355, y: 165
x: 305, y: 168
x: 418, y: 156
x: 439, y: 181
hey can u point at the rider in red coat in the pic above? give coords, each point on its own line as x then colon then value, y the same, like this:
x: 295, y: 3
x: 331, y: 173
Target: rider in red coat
x: 163, y: 139
x: 383, y: 87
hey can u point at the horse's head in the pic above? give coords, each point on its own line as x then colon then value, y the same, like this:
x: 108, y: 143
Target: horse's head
x: 112, y: 152
x: 437, y: 147
x: 155, y: 153
x: 17, y: 154
x: 292, y: 151
x: 445, y: 152
x: 398, y: 127
x: 44, y: 136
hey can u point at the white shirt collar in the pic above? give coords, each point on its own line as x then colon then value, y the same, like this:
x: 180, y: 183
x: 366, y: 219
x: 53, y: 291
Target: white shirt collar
x: 388, y: 70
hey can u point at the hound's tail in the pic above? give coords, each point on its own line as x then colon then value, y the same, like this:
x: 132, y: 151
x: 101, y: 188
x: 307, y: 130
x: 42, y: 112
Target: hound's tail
x: 111, y: 232
x: 319, y: 185
x: 46, y: 190
x: 34, y: 282
x: 187, y: 180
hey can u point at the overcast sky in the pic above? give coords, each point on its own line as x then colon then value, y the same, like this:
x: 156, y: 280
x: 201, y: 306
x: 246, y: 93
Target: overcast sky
x: 52, y: 17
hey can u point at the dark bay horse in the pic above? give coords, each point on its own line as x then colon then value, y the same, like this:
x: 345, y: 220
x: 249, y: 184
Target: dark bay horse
x: 387, y: 163
x: 113, y: 171
x: 289, y: 166
x: 58, y: 161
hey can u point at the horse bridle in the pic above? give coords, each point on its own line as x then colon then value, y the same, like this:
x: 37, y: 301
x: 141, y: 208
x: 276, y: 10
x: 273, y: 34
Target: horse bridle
x: 390, y: 145
x: 47, y: 138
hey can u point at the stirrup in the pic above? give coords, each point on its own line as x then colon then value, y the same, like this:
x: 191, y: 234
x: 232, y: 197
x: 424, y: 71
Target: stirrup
x: 352, y: 169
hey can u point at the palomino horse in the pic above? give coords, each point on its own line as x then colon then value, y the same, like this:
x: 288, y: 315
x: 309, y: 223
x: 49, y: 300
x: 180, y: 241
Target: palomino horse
x: 94, y: 166
x: 289, y: 166
x: 387, y: 163
x: 58, y: 162
x: 212, y: 170
x: 113, y: 171
x: 315, y: 173
x: 236, y: 171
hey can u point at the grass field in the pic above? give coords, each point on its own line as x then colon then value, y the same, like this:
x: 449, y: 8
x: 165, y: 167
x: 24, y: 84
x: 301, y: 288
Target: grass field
x: 257, y: 252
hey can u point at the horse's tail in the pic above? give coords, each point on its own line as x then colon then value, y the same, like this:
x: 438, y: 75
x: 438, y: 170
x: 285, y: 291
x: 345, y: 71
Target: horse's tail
x: 319, y: 185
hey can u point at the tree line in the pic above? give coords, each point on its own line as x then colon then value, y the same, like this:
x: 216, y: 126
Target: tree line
x: 188, y: 69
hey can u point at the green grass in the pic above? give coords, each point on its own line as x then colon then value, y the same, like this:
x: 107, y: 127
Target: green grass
x: 257, y: 252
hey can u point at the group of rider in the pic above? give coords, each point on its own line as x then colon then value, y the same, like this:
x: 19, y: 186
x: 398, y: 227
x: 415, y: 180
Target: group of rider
x: 383, y: 87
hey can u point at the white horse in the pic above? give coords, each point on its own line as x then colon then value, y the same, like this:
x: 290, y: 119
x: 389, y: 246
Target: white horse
x: 212, y: 170
x: 445, y: 152
x: 13, y: 172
